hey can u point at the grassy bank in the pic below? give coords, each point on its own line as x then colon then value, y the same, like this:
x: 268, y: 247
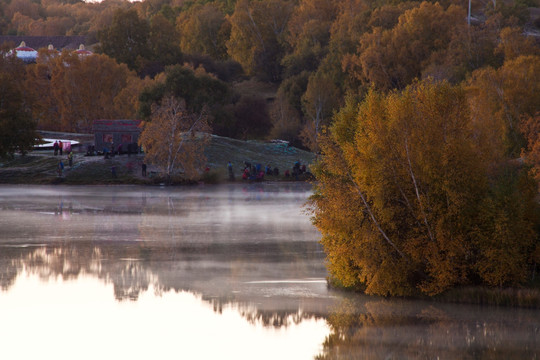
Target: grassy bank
x: 41, y: 167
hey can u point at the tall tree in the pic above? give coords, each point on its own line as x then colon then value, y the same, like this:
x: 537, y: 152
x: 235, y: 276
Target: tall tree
x: 74, y: 91
x: 393, y: 58
x: 175, y: 139
x: 17, y: 129
x: 403, y: 187
x: 318, y: 102
x: 126, y: 39
x: 163, y: 41
x: 258, y: 36
x: 530, y: 127
x: 204, y: 30
x: 197, y: 90
x: 501, y: 97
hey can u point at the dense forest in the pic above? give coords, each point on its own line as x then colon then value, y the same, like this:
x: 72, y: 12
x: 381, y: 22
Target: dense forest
x: 315, y: 53
x: 427, y: 116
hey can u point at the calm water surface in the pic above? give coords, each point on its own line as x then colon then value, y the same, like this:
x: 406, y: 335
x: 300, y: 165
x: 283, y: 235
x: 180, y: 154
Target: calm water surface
x: 220, y: 272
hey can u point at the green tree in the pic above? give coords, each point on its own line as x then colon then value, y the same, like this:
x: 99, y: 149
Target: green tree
x: 126, y: 39
x: 163, y: 41
x: 197, y: 90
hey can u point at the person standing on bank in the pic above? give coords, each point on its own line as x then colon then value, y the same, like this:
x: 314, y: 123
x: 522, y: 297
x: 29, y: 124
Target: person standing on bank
x: 60, y: 168
x: 231, y: 172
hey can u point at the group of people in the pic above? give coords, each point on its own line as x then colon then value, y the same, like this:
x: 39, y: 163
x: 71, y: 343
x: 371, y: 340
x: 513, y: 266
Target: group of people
x: 257, y: 172
x: 60, y: 167
x: 59, y: 147
x: 131, y: 148
x: 298, y: 169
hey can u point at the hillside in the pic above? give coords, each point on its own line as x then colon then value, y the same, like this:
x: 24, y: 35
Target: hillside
x: 40, y: 167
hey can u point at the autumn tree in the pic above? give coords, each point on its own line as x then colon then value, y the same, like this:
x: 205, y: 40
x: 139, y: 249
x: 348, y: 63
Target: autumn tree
x: 126, y: 39
x: 204, y: 30
x: 319, y: 101
x: 74, y: 90
x: 258, y: 36
x: 406, y: 202
x: 127, y: 101
x: 393, y: 58
x: 514, y: 43
x: 501, y: 97
x: 175, y: 138
x: 163, y: 41
x: 196, y: 90
x: 17, y: 129
x: 309, y: 34
x: 286, y: 123
x: 530, y: 128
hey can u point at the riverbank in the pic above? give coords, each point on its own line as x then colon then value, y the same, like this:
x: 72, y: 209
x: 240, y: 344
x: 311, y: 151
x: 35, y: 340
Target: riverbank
x: 41, y: 166
x: 527, y: 296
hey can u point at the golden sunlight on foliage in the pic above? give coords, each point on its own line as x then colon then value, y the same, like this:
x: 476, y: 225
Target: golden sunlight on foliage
x: 75, y: 91
x: 406, y: 203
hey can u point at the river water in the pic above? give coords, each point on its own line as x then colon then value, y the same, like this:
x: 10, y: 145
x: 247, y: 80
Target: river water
x: 208, y: 272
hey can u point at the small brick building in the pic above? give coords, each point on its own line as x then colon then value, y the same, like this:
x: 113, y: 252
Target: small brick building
x: 108, y: 133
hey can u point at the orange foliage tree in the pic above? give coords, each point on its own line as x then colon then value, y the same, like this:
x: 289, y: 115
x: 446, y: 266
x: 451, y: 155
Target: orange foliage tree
x: 501, y: 97
x: 175, y: 138
x: 74, y: 91
x: 407, y: 204
x: 393, y: 58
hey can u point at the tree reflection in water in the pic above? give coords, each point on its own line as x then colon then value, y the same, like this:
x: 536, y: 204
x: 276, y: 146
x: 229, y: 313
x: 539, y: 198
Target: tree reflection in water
x: 135, y: 268
x: 363, y: 328
x: 228, y: 246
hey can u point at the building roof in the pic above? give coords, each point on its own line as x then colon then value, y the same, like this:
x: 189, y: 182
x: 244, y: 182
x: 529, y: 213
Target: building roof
x: 38, y: 42
x: 81, y: 51
x: 103, y: 125
x: 25, y: 53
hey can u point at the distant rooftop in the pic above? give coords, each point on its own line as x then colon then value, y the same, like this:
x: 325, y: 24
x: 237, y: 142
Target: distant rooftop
x: 38, y: 42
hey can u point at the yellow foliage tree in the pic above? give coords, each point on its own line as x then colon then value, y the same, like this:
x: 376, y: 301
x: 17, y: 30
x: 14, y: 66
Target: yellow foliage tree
x: 499, y: 98
x: 318, y: 102
x: 204, y: 30
x: 257, y: 37
x: 404, y: 199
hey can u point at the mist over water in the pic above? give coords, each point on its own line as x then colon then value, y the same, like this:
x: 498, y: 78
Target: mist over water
x: 205, y: 272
